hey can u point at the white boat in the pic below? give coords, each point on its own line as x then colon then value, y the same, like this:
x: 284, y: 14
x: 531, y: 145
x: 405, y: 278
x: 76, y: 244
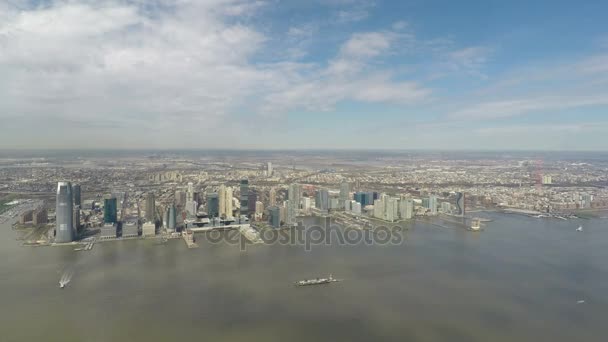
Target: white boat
x: 476, y: 225
x: 579, y: 229
x: 62, y: 284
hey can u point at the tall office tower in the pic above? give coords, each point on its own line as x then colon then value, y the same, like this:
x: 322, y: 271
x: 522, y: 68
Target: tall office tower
x: 344, y: 193
x: 110, y: 210
x: 40, y: 217
x: 356, y: 208
x: 274, y: 216
x: 272, y: 197
x: 294, y: 195
x: 433, y: 204
x: 244, y: 197
x: 269, y: 169
x: 222, y: 200
x: 259, y: 210
x: 379, y: 209
x: 76, y: 218
x: 306, y: 204
x: 166, y: 217
x: 322, y: 199
x: 460, y: 204
x: 150, y: 207
x: 64, y: 229
x: 172, y: 218
x: 391, y: 209
x: 253, y: 198
x: 196, y: 197
x: 180, y: 198
x: 228, y: 206
x: 191, y: 207
x: 190, y: 192
x: 76, y: 191
x: 213, y: 205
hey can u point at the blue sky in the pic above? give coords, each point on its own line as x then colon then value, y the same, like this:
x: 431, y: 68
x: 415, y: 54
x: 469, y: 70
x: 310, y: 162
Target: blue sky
x: 304, y: 74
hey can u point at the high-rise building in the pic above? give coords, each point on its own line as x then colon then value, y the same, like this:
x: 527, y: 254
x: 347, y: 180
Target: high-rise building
x: 213, y: 205
x: 274, y: 216
x: 406, y: 208
x: 172, y: 224
x: 356, y: 208
x: 433, y: 204
x: 272, y: 197
x: 64, y: 231
x: 76, y: 218
x: 306, y: 204
x: 191, y: 207
x: 460, y: 209
x: 244, y: 197
x: 294, y: 195
x: 344, y: 193
x: 222, y: 200
x: 77, y: 198
x: 259, y: 210
x: 110, y: 210
x: 40, y: 217
x: 180, y: 198
x: 150, y: 207
x: 322, y: 199
x: 253, y: 198
x: 269, y: 169
x: 228, y: 207
x: 365, y: 198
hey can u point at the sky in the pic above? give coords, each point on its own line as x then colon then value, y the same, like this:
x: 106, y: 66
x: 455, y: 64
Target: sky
x: 304, y: 74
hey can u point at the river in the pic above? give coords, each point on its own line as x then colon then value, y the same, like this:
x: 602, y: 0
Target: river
x: 522, y: 279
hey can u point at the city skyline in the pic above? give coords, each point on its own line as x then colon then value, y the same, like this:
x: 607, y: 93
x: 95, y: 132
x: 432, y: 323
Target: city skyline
x: 232, y: 74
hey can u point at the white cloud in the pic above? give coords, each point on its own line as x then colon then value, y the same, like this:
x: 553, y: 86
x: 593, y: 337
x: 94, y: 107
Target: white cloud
x: 520, y: 106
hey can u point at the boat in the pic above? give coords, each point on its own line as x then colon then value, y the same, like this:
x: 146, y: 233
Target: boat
x: 62, y: 284
x: 475, y: 225
x: 579, y: 229
x: 317, y: 281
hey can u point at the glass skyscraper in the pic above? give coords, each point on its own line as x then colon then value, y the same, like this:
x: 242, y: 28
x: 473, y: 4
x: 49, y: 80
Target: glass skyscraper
x: 110, y: 210
x: 244, y: 199
x: 64, y: 231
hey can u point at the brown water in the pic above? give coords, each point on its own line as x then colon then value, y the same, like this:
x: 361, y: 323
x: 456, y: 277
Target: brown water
x: 519, y: 280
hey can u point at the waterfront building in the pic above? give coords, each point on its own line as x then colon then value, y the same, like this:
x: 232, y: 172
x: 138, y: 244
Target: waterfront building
x: 110, y: 210
x: 274, y: 216
x: 40, y: 217
x: 244, y: 197
x: 148, y: 229
x: 272, y: 197
x: 77, y: 195
x: 150, y: 207
x: 344, y: 193
x: 294, y: 197
x: 322, y: 199
x: 180, y: 198
x: 172, y: 223
x: 64, y: 228
x: 213, y: 209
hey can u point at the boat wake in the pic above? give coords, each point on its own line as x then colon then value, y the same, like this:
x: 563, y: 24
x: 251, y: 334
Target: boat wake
x: 66, y: 277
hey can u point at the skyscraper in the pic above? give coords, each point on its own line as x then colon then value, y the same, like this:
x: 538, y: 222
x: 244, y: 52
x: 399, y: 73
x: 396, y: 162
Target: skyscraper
x: 77, y: 198
x: 244, y: 197
x: 150, y: 207
x: 322, y: 199
x: 433, y: 204
x: 222, y: 200
x: 213, y: 205
x: 344, y: 193
x: 272, y: 197
x: 274, y: 216
x: 180, y: 198
x: 172, y: 218
x: 228, y: 203
x: 294, y: 195
x: 64, y: 213
x: 110, y: 210
x: 460, y: 210
x: 252, y: 199
x: 269, y: 169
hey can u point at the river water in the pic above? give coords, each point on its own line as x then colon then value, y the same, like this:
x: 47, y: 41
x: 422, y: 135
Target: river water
x: 519, y: 280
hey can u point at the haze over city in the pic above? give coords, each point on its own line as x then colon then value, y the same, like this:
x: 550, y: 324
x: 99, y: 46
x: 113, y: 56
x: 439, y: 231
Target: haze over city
x: 304, y: 74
